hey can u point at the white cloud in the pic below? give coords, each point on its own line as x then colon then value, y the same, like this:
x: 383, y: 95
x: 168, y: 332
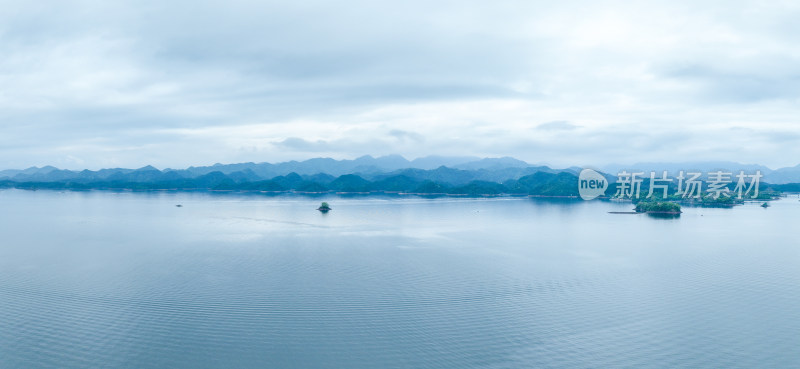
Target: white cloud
x: 90, y: 84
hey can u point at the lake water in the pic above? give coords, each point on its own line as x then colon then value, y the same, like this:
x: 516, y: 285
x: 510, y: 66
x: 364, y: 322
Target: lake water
x: 129, y: 280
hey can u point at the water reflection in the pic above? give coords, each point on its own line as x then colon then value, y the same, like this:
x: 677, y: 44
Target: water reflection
x: 100, y: 279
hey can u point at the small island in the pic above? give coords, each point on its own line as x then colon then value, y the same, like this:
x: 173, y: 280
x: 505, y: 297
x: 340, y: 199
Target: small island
x: 324, y: 207
x: 655, y: 207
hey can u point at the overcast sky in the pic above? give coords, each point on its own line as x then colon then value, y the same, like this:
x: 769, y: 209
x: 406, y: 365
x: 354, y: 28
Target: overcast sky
x: 91, y: 84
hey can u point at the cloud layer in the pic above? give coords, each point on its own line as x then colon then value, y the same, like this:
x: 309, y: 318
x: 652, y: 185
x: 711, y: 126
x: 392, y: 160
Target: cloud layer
x: 88, y: 84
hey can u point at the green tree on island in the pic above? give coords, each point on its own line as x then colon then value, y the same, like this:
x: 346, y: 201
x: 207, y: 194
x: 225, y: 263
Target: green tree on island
x: 657, y: 207
x: 324, y: 207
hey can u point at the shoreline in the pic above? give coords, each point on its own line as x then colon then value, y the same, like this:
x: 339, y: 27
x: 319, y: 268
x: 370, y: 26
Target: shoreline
x: 298, y: 193
x: 375, y: 193
x: 295, y: 192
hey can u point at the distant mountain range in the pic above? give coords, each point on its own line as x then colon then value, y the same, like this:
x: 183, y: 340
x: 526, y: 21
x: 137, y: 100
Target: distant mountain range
x: 461, y: 169
x: 433, y: 174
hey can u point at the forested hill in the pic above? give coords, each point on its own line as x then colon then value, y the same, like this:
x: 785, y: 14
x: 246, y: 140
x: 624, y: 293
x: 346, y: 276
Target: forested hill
x: 443, y: 180
x: 388, y: 174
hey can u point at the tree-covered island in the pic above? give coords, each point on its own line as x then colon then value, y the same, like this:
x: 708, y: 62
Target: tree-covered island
x: 657, y: 207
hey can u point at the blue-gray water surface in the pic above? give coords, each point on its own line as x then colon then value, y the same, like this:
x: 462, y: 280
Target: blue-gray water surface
x: 128, y: 280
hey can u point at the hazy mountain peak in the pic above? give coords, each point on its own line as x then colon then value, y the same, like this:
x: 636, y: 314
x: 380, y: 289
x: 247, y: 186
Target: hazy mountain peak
x: 493, y: 163
x: 147, y: 168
